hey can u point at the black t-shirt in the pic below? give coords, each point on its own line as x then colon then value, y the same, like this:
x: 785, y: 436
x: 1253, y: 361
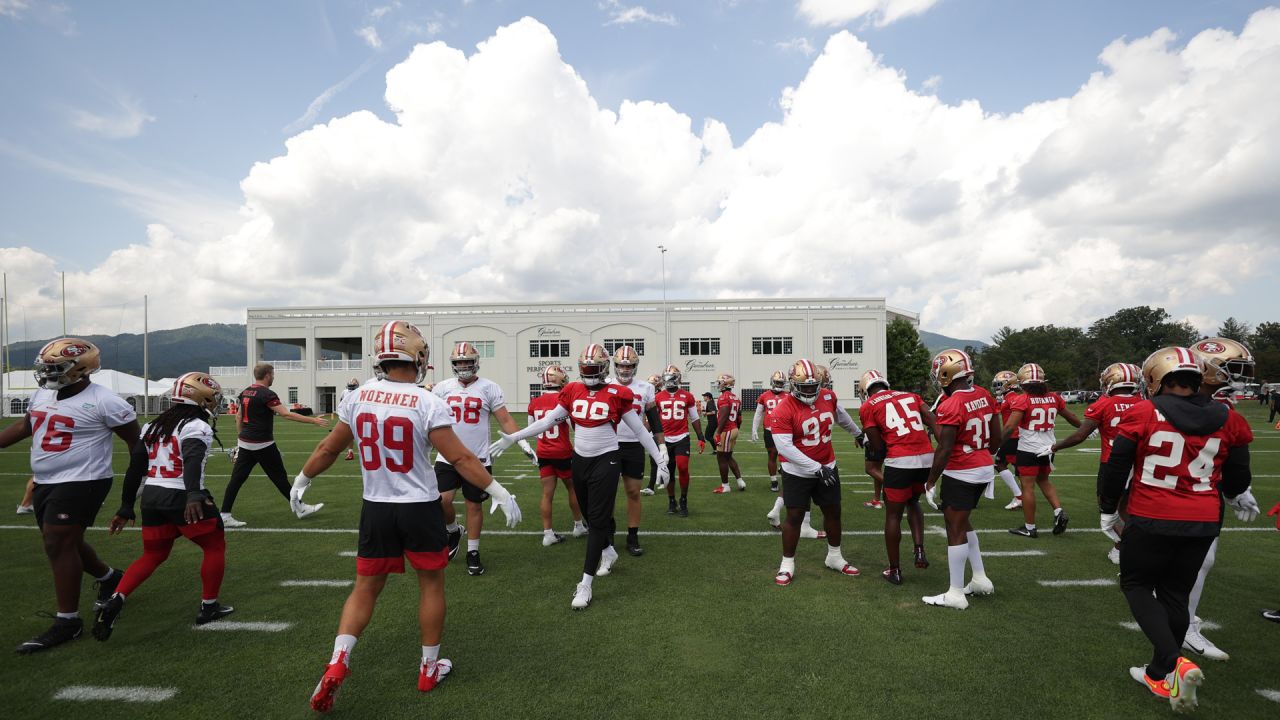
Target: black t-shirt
x: 256, y: 415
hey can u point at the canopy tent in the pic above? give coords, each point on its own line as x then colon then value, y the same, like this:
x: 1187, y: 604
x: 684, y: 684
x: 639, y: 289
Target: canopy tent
x: 20, y: 385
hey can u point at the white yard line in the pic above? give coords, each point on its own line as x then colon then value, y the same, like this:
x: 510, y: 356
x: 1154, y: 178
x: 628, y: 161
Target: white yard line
x: 1013, y: 553
x: 348, y: 553
x: 315, y: 583
x: 94, y: 693
x: 1100, y: 582
x: 232, y: 626
x: 1272, y: 695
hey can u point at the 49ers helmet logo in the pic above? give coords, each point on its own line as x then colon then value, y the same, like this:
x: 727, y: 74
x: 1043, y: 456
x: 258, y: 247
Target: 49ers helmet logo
x: 1211, y: 347
x: 938, y: 362
x: 74, y: 350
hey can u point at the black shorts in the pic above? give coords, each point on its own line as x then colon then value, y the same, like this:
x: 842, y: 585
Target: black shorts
x: 768, y: 441
x: 679, y: 447
x: 903, y: 485
x: 166, y: 506
x: 958, y: 494
x: 871, y: 455
x: 631, y: 459
x: 561, y: 464
x: 1008, y: 452
x: 448, y: 478
x: 798, y: 492
x: 69, y: 503
x: 596, y: 471
x: 1030, y: 463
x: 390, y: 532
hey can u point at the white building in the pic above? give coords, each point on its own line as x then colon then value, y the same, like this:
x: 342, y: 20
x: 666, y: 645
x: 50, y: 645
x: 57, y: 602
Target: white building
x: 316, y: 350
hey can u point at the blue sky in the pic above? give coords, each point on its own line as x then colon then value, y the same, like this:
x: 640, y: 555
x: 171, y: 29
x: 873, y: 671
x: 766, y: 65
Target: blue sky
x: 122, y: 116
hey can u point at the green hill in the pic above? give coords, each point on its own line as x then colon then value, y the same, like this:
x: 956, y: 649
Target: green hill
x: 172, y: 352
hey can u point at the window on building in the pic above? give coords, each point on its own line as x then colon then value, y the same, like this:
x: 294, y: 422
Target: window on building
x: 841, y: 344
x: 484, y: 347
x: 770, y: 346
x: 535, y: 390
x: 857, y: 343
x: 293, y: 395
x: 699, y: 346
x: 611, y: 345
x: 548, y: 348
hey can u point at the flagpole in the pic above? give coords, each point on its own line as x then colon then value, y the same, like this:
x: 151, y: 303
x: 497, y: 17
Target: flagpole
x: 64, y: 303
x: 146, y: 360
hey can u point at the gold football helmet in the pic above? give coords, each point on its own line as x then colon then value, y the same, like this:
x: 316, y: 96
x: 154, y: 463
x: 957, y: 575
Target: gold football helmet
x: 778, y: 381
x: 1226, y: 361
x: 197, y: 388
x: 625, y: 361
x: 950, y: 365
x: 655, y: 380
x: 1004, y: 381
x: 870, y: 379
x: 465, y: 360
x: 1117, y: 376
x: 805, y: 382
x: 725, y: 382
x: 553, y: 377
x: 402, y: 341
x: 824, y: 377
x: 593, y: 365
x: 66, y: 361
x: 671, y: 378
x: 353, y: 383
x: 1031, y: 374
x: 1168, y: 360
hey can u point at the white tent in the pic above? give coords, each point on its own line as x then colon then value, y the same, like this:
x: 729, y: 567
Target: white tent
x: 20, y: 385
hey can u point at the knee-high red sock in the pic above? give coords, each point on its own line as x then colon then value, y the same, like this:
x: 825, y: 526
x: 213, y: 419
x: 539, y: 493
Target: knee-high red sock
x: 682, y: 467
x: 154, y: 552
x: 214, y: 564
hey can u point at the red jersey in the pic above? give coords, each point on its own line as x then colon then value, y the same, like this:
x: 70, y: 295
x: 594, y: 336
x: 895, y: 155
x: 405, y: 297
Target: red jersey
x: 896, y: 415
x: 674, y: 409
x: 1176, y: 476
x: 1107, y: 411
x: 728, y: 400
x: 767, y: 401
x: 1005, y: 411
x: 595, y: 413
x: 553, y: 444
x: 1039, y: 415
x: 970, y: 411
x: 808, y: 426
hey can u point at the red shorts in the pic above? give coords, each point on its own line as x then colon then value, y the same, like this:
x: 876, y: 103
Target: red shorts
x: 904, y: 495
x: 173, y: 530
x: 559, y: 468
x: 391, y: 532
x: 902, y: 485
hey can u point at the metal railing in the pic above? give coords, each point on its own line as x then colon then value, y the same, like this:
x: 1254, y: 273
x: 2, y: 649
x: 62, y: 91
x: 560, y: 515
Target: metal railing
x: 226, y: 370
x: 356, y: 364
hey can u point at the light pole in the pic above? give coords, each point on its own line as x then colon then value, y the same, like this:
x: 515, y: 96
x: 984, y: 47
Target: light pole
x: 666, y: 314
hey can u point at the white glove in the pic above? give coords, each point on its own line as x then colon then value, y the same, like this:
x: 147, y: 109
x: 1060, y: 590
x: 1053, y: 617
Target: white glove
x: 508, y: 507
x: 754, y: 437
x: 234, y: 453
x: 930, y: 493
x: 663, y: 458
x: 528, y: 451
x: 300, y: 485
x: 1109, y: 522
x: 500, y: 445
x: 664, y: 475
x: 1245, y: 506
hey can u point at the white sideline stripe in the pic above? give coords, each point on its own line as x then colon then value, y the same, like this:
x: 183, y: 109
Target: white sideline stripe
x: 1100, y: 582
x: 1013, y: 553
x: 230, y: 626
x: 94, y: 693
x: 1204, y: 625
x: 348, y: 553
x: 1272, y: 695
x: 315, y: 583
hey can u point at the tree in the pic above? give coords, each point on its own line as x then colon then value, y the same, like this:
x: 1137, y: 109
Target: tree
x: 1265, y: 337
x: 1233, y: 329
x: 1131, y: 334
x: 1062, y: 352
x: 907, y: 357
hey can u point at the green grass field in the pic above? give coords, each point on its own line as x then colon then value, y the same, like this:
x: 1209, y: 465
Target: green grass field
x: 695, y: 628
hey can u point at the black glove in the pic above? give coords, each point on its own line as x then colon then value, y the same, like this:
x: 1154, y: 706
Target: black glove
x: 126, y: 513
x: 828, y: 476
x: 860, y: 439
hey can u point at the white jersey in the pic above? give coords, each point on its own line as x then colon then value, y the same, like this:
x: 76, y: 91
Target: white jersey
x: 644, y: 393
x: 164, y: 464
x: 390, y: 421
x: 345, y: 393
x: 71, y: 438
x: 471, y: 405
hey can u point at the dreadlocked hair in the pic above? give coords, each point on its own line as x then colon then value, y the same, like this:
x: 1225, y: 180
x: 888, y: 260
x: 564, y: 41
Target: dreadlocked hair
x: 169, y: 422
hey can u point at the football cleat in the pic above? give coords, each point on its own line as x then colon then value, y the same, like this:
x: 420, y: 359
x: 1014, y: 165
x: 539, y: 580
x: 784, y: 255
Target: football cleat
x: 581, y: 596
x: 742, y: 484
x: 950, y: 598
x: 26, y: 510
x: 843, y: 568
x: 684, y: 508
x: 774, y: 519
x: 773, y: 486
x: 783, y: 578
x: 1060, y: 521
x: 579, y: 529
x: 980, y: 585
x: 455, y: 539
x: 633, y: 547
x: 334, y: 675
x: 873, y: 504
x: 212, y: 611
x: 1024, y: 532
x: 646, y: 491
x: 433, y: 673
x: 104, y: 617
x: 303, y: 509
x: 1159, y: 688
x: 107, y: 588
x: 921, y: 561
x: 809, y: 533
x: 351, y: 455
x: 892, y: 574
x: 63, y: 630
x: 1201, y: 645
x: 1114, y: 555
x: 552, y: 539
x: 671, y: 506
x: 1014, y: 504
x: 607, y: 559
x: 230, y: 522
x: 722, y: 490
x: 475, y: 568
x: 1183, y: 683
x: 1272, y: 615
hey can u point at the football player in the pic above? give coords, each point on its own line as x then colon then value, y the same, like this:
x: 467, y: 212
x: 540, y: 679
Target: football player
x: 170, y: 458
x: 968, y: 431
x: 256, y: 443
x: 1034, y: 412
x: 801, y: 426
x: 677, y: 408
x: 728, y: 410
x: 555, y: 452
x: 656, y: 381
x: 595, y: 408
x: 471, y: 399
x: 1186, y: 453
x: 895, y: 423
x: 1004, y: 386
x: 765, y: 404
x: 70, y: 421
x: 1119, y: 381
x: 630, y: 453
x: 397, y: 424
x: 352, y: 384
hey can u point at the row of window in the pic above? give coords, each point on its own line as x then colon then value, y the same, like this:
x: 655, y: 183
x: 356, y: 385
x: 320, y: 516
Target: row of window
x: 831, y: 345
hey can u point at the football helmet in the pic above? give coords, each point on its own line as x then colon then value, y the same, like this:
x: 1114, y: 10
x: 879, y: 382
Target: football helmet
x: 66, y: 361
x: 870, y: 379
x: 402, y: 341
x: 625, y: 362
x: 1004, y: 381
x: 778, y: 381
x: 1117, y: 376
x: 950, y: 365
x: 465, y: 360
x: 655, y: 380
x: 804, y: 382
x: 1031, y: 374
x: 671, y: 378
x: 1168, y: 360
x: 824, y: 377
x: 197, y: 388
x: 1226, y: 361
x: 553, y: 377
x: 353, y: 383
x: 725, y: 382
x: 593, y: 365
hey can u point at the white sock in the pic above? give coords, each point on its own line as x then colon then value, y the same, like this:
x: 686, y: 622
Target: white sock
x: 788, y: 565
x: 106, y: 577
x: 611, y: 552
x: 1029, y: 526
x: 202, y: 601
x: 777, y: 507
x: 430, y: 653
x: 1007, y: 476
x: 342, y: 647
x: 578, y: 523
x: 1193, y: 602
x: 725, y: 484
x: 807, y: 517
x: 773, y: 478
x: 834, y: 555
x: 548, y: 532
x: 588, y: 579
x: 1057, y: 512
x: 957, y: 555
x: 69, y: 616
x: 975, y: 555
x: 473, y: 546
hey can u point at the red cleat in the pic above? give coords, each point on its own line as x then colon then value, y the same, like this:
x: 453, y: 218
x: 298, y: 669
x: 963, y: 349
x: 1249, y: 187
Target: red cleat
x: 782, y: 578
x: 334, y: 675
x: 432, y: 674
x: 351, y: 455
x: 722, y: 490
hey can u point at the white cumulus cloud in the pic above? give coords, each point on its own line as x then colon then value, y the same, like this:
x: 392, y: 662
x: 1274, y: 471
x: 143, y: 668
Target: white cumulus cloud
x: 882, y: 12
x: 501, y: 178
